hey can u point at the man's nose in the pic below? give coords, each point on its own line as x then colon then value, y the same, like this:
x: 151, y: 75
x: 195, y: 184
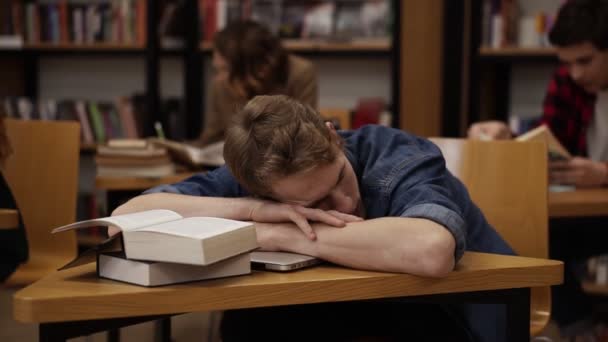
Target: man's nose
x: 341, y: 202
x: 576, y: 73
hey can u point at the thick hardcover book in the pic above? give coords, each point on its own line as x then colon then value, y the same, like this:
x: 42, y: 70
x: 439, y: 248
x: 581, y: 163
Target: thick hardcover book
x: 164, y: 235
x: 115, y: 266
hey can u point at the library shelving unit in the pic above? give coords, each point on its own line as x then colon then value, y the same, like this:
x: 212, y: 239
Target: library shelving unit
x: 480, y: 74
x: 414, y: 50
x: 514, y: 52
x: 31, y: 53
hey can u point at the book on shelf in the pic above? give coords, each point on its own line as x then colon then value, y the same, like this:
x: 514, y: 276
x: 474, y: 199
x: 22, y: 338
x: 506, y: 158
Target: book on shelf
x: 543, y: 133
x: 164, y: 235
x: 115, y: 266
x: 210, y: 155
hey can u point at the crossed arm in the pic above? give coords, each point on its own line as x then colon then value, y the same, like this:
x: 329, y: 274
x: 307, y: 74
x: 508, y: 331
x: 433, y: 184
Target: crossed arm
x: 393, y: 244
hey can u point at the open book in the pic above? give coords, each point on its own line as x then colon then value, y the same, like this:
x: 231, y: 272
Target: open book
x: 211, y: 155
x: 543, y: 133
x: 164, y: 235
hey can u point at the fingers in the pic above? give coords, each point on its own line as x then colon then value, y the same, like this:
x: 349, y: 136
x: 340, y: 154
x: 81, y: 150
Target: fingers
x: 559, y: 165
x: 473, y: 132
x: 302, y: 223
x: 112, y: 231
x: 344, y: 217
x: 320, y: 215
x: 563, y: 177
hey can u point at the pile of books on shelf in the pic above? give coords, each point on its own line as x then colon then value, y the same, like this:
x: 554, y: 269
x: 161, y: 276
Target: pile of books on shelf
x: 99, y: 121
x: 161, y: 247
x: 296, y: 19
x: 126, y: 117
x: 133, y: 158
x: 70, y: 22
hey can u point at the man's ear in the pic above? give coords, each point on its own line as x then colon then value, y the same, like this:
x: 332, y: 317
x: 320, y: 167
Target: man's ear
x: 333, y: 132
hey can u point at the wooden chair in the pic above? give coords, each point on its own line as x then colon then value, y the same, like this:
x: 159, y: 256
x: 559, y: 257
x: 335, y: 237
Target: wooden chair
x: 42, y: 173
x: 508, y: 181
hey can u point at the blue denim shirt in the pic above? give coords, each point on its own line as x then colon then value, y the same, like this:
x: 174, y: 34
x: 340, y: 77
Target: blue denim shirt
x: 399, y: 175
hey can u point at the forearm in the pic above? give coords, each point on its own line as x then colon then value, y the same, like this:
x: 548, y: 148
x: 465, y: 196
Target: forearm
x: 394, y: 244
x: 187, y: 206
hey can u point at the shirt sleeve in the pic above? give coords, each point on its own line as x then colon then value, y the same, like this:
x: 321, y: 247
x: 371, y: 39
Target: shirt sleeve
x: 216, y: 183
x: 422, y: 187
x: 558, y: 107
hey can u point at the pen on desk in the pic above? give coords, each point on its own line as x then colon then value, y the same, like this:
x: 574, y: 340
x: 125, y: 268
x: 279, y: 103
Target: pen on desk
x: 159, y: 130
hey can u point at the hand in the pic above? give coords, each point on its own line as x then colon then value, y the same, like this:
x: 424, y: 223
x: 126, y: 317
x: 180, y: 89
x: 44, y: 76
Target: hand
x: 581, y: 172
x: 489, y: 130
x: 269, y: 235
x: 268, y: 211
x: 112, y: 231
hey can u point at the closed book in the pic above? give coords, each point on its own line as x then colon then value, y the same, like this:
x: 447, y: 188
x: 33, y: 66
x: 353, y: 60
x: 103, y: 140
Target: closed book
x: 115, y: 266
x: 149, y: 171
x: 164, y: 235
x: 131, y: 161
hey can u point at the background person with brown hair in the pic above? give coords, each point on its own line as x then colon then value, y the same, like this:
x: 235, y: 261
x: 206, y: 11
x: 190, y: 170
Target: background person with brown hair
x: 249, y: 60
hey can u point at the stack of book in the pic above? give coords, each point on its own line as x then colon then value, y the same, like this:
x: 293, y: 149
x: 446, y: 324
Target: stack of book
x: 161, y: 247
x: 133, y: 158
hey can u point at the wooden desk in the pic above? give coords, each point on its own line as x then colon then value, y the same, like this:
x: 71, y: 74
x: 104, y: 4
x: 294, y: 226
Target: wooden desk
x: 137, y: 183
x: 579, y: 203
x: 62, y: 301
x: 9, y: 218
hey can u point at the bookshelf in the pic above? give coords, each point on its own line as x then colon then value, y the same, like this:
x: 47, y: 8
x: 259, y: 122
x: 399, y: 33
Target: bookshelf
x: 413, y: 53
x: 494, y: 80
x: 416, y: 25
x: 516, y: 52
x: 302, y: 45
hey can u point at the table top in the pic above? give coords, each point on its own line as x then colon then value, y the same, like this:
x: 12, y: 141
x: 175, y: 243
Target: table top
x: 579, y: 203
x: 9, y: 218
x: 138, y: 183
x: 77, y: 293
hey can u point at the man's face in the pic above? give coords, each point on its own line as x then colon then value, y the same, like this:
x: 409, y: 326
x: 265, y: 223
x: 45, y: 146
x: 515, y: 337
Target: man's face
x: 328, y: 187
x: 588, y: 66
x: 220, y: 67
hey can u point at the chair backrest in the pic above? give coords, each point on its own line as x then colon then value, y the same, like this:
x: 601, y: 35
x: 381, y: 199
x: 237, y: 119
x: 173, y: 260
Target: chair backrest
x: 508, y: 182
x: 42, y: 173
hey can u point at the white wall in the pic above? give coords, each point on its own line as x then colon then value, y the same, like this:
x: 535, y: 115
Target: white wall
x: 528, y: 85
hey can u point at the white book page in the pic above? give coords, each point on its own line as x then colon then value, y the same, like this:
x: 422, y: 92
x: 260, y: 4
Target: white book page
x: 127, y: 222
x: 196, y: 227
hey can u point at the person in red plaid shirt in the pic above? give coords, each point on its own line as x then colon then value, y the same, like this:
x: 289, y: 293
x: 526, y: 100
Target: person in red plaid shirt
x: 576, y: 110
x: 576, y: 103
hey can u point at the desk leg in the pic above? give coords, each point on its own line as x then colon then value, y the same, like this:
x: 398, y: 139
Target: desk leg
x: 518, y: 314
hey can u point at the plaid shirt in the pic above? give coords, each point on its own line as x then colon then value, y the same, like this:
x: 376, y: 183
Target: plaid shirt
x: 568, y: 110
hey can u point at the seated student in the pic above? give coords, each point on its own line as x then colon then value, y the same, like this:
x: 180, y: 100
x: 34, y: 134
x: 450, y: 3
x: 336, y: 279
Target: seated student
x: 13, y: 244
x: 249, y: 61
x: 576, y: 110
x: 376, y: 198
x: 576, y: 103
